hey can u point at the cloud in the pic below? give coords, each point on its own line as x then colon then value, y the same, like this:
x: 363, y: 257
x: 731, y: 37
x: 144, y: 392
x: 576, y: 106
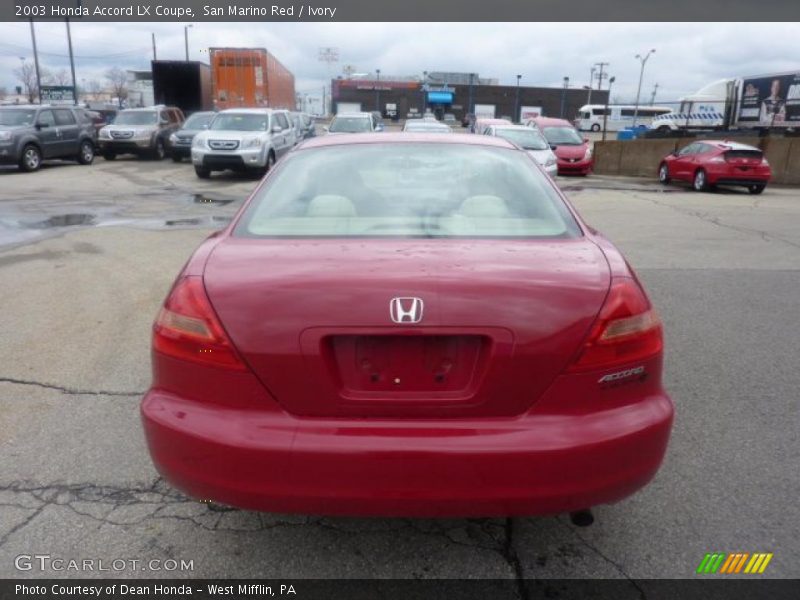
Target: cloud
x: 688, y: 55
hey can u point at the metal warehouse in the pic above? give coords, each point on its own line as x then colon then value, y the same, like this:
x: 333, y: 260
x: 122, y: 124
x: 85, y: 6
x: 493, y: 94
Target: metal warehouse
x: 459, y: 94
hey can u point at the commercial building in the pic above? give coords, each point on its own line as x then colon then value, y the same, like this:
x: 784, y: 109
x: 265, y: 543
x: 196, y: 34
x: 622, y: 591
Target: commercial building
x: 452, y: 93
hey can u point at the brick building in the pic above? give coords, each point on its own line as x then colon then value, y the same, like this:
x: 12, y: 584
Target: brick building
x: 457, y: 98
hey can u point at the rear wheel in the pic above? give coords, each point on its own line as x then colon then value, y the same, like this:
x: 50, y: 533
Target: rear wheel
x: 202, y: 172
x: 596, y: 127
x: 159, y: 152
x: 86, y: 153
x: 31, y: 158
x: 663, y: 174
x: 664, y: 129
x: 700, y: 183
x: 756, y: 188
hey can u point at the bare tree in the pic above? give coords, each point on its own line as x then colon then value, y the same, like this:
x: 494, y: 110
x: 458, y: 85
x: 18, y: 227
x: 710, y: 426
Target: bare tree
x: 61, y: 77
x: 118, y: 80
x: 26, y: 74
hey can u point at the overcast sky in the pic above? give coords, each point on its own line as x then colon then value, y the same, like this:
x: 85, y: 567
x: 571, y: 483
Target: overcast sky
x: 688, y: 55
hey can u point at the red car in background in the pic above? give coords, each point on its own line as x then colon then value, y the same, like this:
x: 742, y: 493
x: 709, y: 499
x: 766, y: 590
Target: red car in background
x: 710, y: 163
x: 408, y: 325
x: 573, y: 152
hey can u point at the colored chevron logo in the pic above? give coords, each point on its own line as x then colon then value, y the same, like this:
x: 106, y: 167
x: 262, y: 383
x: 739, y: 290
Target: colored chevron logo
x: 734, y: 563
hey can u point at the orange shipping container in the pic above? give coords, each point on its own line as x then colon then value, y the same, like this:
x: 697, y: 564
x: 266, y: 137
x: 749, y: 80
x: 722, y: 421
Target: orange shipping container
x: 250, y: 77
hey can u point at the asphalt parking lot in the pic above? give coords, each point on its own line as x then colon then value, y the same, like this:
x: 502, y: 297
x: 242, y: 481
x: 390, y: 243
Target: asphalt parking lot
x: 88, y: 253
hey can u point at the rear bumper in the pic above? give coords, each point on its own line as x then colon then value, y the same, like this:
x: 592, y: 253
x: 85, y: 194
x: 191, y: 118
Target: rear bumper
x: 729, y: 175
x: 529, y: 465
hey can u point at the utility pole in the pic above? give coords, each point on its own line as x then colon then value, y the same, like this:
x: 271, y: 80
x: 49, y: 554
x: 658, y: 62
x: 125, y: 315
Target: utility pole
x: 324, y: 102
x: 643, y: 60
x: 653, y: 95
x: 72, y: 65
x: 564, y: 95
x: 600, y: 75
x: 186, y: 39
x: 378, y: 91
x: 516, y: 108
x: 591, y: 81
x: 155, y: 55
x: 605, y: 112
x: 471, y: 80
x: 36, y: 63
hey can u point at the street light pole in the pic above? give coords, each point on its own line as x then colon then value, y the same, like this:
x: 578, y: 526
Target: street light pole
x: 72, y: 66
x: 516, y: 110
x: 378, y: 91
x: 591, y: 81
x: 36, y: 63
x: 564, y: 95
x: 643, y: 60
x: 605, y: 111
x: 185, y: 39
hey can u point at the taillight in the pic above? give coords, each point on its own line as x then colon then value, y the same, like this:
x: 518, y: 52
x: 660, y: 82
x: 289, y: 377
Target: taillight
x: 188, y: 328
x: 626, y: 330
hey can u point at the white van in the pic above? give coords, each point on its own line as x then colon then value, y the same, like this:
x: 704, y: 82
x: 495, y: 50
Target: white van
x: 590, y: 116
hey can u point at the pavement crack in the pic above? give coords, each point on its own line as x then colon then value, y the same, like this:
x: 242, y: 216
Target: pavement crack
x: 66, y: 390
x: 510, y: 554
x: 21, y: 525
x: 764, y: 235
x: 603, y: 556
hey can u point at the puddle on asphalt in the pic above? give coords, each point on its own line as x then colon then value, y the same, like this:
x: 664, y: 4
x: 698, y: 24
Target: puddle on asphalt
x: 197, y: 221
x: 68, y: 220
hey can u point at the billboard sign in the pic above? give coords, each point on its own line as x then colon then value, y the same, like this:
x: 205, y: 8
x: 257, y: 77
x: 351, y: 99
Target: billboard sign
x: 771, y: 101
x: 58, y: 93
x: 529, y: 112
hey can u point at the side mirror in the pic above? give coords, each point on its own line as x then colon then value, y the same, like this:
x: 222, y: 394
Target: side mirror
x: 277, y: 129
x: 379, y: 127
x: 553, y: 147
x: 585, y: 140
x: 325, y: 128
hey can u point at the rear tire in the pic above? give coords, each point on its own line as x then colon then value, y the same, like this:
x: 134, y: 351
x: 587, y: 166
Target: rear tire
x: 699, y: 182
x: 86, y: 153
x: 31, y: 159
x: 202, y: 172
x: 664, y: 129
x: 596, y: 127
x: 109, y: 155
x: 159, y: 152
x: 270, y: 163
x: 756, y: 188
x: 663, y: 174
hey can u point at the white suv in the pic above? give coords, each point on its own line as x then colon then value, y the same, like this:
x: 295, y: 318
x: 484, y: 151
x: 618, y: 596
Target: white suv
x: 243, y: 139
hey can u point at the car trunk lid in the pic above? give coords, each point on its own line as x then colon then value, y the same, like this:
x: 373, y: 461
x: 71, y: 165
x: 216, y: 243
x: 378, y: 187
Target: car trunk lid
x: 315, y: 321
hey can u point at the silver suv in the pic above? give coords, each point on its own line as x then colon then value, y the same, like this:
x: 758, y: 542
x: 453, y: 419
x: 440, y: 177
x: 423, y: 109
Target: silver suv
x: 243, y: 139
x: 141, y: 131
x: 30, y: 134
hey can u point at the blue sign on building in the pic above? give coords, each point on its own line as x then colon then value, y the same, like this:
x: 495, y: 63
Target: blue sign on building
x: 440, y: 97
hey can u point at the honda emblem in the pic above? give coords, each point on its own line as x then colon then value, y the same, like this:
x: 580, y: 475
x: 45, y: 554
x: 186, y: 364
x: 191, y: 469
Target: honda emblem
x: 406, y: 310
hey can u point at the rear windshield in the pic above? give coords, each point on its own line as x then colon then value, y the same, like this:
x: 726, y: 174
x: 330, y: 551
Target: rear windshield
x: 350, y: 125
x: 239, y: 122
x: 753, y: 154
x: 138, y: 117
x: 408, y: 190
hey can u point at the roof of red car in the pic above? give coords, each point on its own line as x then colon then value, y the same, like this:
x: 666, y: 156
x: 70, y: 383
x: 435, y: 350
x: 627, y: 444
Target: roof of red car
x: 551, y: 122
x: 405, y: 137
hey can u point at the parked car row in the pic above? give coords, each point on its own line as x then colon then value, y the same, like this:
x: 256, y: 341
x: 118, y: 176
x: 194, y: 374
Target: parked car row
x: 241, y: 139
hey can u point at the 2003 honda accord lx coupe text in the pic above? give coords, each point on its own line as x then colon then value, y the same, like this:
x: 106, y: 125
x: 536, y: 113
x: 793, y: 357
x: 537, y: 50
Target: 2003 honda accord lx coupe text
x: 407, y: 324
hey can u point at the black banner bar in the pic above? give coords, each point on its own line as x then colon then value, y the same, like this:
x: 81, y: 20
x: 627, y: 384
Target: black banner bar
x: 733, y: 588
x: 404, y: 11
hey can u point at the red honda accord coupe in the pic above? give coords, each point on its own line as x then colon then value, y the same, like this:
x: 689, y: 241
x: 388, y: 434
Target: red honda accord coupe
x: 407, y: 325
x: 710, y: 163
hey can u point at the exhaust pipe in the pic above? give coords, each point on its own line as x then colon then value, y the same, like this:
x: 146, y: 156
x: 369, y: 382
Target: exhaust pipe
x: 582, y: 518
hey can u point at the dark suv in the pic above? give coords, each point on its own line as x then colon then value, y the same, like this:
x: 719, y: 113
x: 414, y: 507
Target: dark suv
x: 30, y: 134
x: 141, y: 131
